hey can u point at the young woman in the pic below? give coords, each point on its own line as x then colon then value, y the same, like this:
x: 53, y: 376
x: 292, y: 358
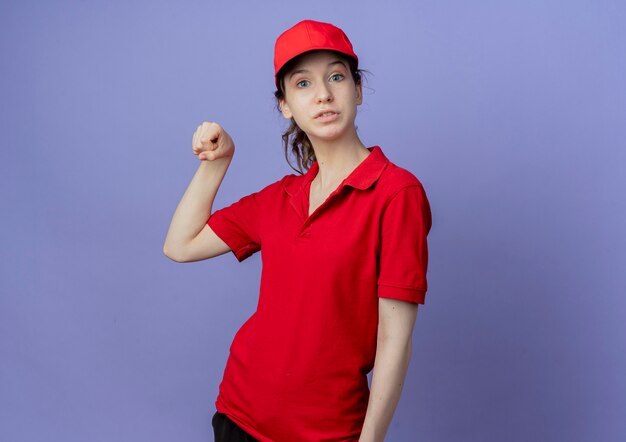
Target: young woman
x: 344, y: 255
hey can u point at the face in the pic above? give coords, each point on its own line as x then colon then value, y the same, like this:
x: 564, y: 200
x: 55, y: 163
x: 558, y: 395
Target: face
x: 321, y: 81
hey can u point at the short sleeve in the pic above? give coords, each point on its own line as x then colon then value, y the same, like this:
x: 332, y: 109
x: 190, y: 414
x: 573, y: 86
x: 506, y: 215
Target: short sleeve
x: 238, y: 226
x: 403, y: 256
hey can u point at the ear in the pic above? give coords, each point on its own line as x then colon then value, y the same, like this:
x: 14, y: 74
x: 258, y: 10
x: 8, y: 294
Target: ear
x: 359, y: 94
x: 284, y: 108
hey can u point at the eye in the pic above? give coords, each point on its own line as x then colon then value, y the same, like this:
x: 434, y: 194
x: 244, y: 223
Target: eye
x: 335, y: 75
x: 300, y: 82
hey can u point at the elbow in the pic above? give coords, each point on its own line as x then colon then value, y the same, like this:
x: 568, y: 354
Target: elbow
x: 172, y: 254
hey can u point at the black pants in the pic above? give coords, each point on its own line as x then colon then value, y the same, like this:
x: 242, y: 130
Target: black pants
x: 227, y: 431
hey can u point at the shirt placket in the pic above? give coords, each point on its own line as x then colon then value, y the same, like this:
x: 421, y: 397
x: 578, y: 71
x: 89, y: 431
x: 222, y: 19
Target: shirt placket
x: 308, y: 221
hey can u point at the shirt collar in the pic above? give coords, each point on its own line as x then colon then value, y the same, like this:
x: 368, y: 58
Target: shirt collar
x: 362, y: 177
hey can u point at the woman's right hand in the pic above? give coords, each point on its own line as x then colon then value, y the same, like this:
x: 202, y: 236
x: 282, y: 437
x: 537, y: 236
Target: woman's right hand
x: 211, y: 142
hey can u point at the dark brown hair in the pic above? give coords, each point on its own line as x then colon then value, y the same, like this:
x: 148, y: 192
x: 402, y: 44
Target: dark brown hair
x: 294, y: 138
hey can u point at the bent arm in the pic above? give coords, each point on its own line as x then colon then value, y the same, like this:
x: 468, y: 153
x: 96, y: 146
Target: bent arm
x: 393, y: 353
x: 189, y: 238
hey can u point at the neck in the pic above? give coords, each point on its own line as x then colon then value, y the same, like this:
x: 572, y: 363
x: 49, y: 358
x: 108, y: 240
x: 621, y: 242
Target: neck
x: 336, y: 160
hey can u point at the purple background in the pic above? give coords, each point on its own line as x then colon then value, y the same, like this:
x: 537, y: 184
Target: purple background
x: 512, y: 114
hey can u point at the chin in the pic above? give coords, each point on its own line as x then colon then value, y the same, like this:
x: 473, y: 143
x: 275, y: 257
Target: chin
x: 331, y: 132
x: 328, y: 132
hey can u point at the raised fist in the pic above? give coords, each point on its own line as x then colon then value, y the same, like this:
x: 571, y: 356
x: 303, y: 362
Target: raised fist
x: 211, y: 142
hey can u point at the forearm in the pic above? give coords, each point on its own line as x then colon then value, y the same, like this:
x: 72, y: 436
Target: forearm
x: 196, y: 204
x: 390, y: 368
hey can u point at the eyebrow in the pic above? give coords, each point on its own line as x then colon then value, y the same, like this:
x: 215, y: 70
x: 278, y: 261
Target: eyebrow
x: 304, y: 70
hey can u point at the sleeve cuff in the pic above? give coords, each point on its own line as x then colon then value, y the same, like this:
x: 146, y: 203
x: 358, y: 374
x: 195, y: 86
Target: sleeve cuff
x: 238, y: 247
x: 402, y: 293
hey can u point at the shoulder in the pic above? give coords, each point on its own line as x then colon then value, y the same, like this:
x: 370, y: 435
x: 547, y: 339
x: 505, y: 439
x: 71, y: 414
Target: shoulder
x: 291, y: 183
x: 396, y: 178
x: 404, y: 196
x: 272, y: 189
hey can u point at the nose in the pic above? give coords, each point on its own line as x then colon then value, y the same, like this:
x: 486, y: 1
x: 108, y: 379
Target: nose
x: 323, y: 93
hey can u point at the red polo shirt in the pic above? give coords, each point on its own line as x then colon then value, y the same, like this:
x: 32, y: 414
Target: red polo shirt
x: 297, y: 369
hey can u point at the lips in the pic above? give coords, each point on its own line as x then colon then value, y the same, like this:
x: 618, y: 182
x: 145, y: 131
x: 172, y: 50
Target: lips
x: 327, y: 111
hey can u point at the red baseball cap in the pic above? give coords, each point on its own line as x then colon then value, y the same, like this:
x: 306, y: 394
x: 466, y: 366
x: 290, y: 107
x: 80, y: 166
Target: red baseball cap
x: 308, y: 35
